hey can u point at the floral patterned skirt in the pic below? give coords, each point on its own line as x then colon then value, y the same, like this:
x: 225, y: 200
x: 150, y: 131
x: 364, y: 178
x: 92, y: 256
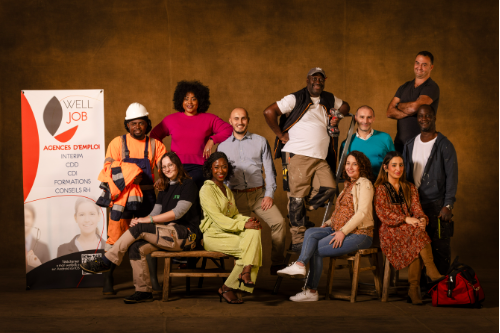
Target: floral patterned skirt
x: 402, y: 244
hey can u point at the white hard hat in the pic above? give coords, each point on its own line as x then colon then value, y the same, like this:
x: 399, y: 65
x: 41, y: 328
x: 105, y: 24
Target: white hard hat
x: 136, y: 110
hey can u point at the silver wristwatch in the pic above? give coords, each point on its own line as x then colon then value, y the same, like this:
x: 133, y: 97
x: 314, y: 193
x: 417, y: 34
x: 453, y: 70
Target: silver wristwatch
x: 450, y: 207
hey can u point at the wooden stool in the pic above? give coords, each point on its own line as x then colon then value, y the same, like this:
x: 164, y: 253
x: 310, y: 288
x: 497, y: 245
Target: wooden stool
x: 391, y: 281
x: 168, y: 274
x: 354, y: 270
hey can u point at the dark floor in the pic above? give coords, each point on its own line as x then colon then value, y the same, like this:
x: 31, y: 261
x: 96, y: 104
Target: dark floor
x: 86, y: 310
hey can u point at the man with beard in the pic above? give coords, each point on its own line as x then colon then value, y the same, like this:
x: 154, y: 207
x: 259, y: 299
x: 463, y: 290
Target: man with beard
x: 431, y: 164
x: 374, y: 144
x: 250, y: 152
x: 410, y: 96
x: 306, y: 148
x: 138, y: 149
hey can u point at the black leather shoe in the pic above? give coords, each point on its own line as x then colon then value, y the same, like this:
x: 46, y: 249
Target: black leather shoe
x: 95, y: 266
x: 139, y: 297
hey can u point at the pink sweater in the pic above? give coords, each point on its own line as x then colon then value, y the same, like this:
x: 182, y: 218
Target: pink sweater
x: 191, y: 133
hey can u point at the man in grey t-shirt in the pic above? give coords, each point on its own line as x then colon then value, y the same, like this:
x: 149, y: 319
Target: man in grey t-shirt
x: 410, y: 96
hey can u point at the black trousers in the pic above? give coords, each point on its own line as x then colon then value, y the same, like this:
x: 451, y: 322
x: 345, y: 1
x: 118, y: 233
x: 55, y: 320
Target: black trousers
x: 441, y: 247
x: 196, y: 172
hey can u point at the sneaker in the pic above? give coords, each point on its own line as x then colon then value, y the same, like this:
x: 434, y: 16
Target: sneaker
x: 305, y: 296
x: 139, y: 297
x: 296, y: 247
x: 293, y: 270
x: 95, y: 266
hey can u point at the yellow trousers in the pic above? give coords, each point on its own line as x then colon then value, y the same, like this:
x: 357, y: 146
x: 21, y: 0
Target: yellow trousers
x: 246, y: 246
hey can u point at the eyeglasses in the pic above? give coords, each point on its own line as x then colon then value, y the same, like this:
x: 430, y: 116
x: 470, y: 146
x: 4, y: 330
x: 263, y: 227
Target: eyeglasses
x: 168, y: 166
x: 317, y: 79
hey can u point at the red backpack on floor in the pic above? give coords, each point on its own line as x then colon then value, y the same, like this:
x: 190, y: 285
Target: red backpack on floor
x: 460, y: 287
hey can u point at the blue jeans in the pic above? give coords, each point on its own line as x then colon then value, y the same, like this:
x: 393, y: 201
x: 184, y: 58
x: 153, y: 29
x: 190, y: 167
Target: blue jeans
x: 316, y: 246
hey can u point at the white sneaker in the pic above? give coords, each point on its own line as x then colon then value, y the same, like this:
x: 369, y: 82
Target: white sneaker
x: 294, y: 271
x: 305, y: 296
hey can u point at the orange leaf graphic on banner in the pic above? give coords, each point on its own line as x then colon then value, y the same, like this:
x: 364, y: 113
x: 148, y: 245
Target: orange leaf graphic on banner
x: 66, y: 136
x: 31, y: 146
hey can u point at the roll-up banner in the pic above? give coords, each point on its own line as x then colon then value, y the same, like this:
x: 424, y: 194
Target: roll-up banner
x: 63, y: 153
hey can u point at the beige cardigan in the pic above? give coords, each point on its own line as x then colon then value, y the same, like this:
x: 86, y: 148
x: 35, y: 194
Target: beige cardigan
x: 362, y: 196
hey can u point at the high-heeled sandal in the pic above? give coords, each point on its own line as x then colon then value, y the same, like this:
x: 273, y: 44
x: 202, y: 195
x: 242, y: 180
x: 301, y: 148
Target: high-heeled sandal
x: 233, y: 301
x: 249, y: 284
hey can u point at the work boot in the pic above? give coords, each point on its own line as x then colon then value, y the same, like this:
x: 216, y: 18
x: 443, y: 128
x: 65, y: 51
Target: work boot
x: 428, y: 259
x: 95, y: 266
x: 321, y: 198
x: 296, y: 247
x: 139, y: 297
x: 107, y: 289
x: 414, y: 280
x: 153, y: 269
x: 297, y: 212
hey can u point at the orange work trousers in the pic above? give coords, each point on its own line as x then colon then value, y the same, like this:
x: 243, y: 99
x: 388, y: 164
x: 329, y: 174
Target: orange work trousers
x: 116, y: 229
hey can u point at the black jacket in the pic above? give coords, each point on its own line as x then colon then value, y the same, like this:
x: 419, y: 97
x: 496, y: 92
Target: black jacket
x: 440, y: 177
x: 302, y: 103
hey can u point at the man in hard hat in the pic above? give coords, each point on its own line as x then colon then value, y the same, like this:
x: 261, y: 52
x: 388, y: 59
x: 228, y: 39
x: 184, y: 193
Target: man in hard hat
x: 126, y: 153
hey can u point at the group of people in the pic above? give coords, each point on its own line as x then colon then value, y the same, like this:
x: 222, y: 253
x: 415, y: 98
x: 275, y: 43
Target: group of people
x: 206, y: 198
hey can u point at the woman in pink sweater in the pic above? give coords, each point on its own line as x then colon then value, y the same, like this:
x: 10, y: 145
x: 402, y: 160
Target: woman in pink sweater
x: 194, y: 132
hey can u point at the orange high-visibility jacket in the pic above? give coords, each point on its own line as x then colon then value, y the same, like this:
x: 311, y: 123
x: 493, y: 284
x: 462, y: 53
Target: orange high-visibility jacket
x: 119, y: 190
x: 117, y: 177
x: 116, y: 150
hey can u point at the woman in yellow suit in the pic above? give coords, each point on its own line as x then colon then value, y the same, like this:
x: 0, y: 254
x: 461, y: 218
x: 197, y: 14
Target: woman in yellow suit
x: 226, y: 230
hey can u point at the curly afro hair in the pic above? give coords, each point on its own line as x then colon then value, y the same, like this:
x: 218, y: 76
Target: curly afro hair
x: 365, y: 167
x: 207, y: 166
x: 201, y: 92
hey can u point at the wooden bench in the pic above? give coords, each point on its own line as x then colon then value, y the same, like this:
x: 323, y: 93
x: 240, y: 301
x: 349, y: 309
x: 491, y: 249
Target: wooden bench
x: 354, y: 270
x: 202, y: 273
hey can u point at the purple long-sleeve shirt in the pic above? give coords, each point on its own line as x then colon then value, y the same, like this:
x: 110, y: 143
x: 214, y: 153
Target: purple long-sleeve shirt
x: 191, y: 133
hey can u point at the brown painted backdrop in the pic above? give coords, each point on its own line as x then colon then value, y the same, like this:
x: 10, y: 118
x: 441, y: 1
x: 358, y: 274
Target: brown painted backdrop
x: 252, y: 53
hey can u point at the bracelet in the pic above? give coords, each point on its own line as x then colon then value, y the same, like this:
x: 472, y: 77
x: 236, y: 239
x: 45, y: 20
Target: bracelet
x: 151, y: 219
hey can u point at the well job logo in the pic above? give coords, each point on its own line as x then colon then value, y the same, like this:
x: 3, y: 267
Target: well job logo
x: 62, y: 116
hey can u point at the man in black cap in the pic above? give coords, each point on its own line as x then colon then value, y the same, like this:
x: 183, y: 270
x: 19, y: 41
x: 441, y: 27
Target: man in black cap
x: 304, y: 142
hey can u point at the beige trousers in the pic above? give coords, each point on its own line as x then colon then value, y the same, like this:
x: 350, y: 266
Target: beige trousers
x: 142, y: 280
x: 248, y: 202
x: 307, y: 175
